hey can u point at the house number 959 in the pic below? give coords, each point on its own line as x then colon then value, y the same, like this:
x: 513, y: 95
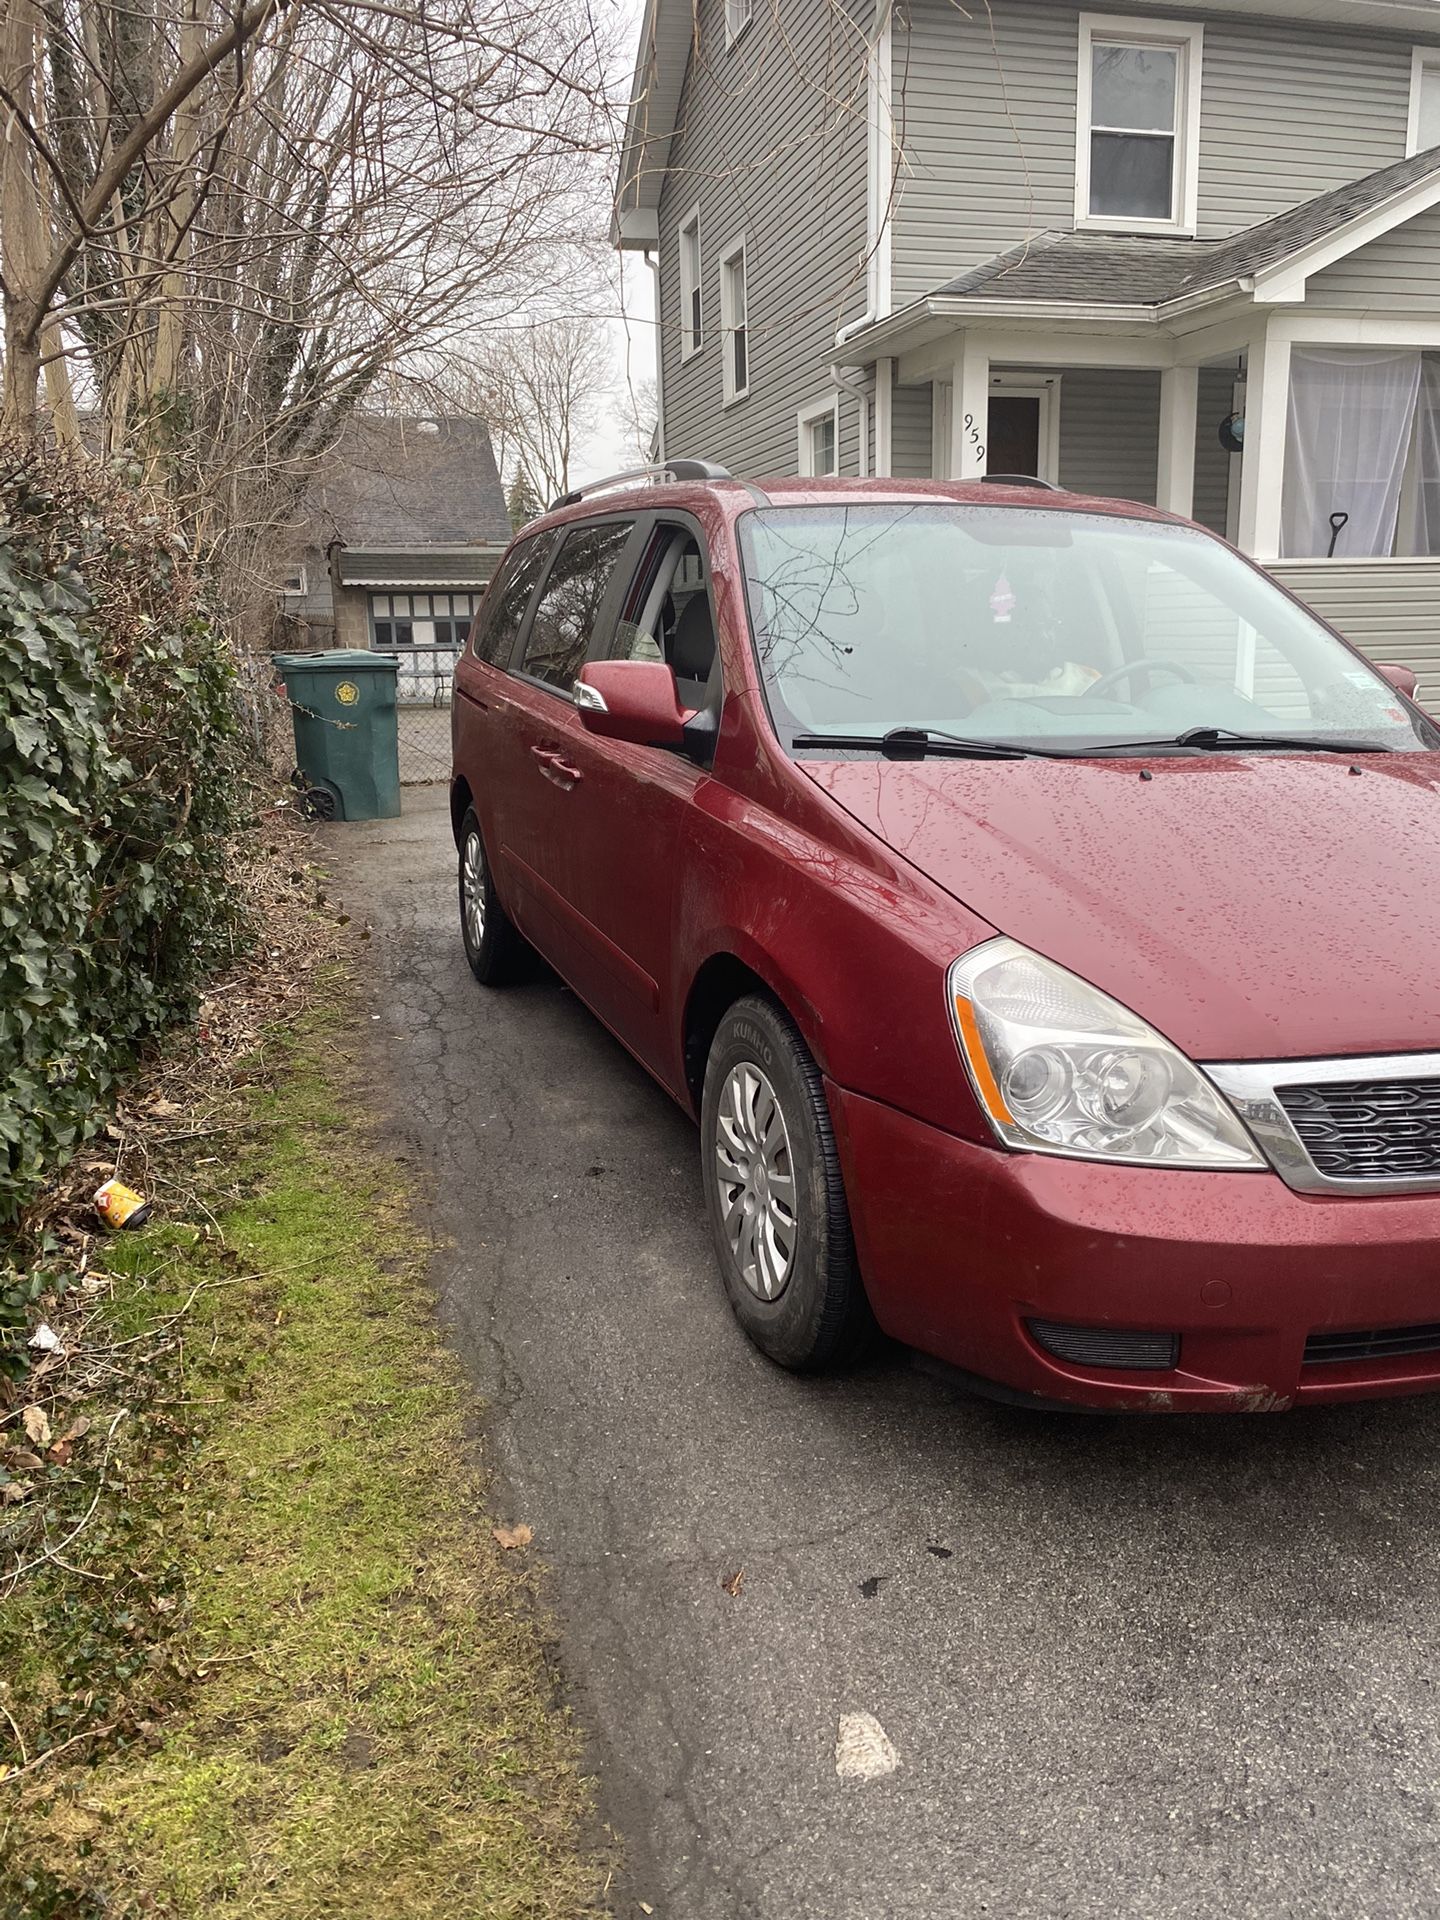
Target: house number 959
x: 972, y: 434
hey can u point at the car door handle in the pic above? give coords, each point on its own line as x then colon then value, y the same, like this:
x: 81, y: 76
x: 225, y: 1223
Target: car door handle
x: 556, y: 768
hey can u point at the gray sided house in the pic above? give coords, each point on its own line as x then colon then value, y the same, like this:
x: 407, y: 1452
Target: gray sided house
x: 400, y: 533
x: 1112, y: 249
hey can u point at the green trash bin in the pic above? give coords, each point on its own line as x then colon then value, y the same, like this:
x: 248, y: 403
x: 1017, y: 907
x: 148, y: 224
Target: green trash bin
x: 346, y: 742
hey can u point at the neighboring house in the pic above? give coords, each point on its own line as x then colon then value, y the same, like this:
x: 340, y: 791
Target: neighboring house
x: 924, y: 240
x: 401, y: 531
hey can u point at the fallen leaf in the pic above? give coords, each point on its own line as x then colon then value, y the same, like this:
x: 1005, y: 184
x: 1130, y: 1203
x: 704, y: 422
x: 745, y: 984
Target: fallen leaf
x: 733, y: 1582
x: 14, y: 1490
x: 508, y: 1537
x: 60, y: 1453
x: 22, y: 1457
x: 37, y: 1425
x: 76, y: 1430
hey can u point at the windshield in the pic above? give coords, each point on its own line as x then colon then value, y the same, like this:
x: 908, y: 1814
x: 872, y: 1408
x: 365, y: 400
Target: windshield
x: 1031, y: 627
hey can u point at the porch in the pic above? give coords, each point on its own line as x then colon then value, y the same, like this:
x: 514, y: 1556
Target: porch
x: 1281, y: 387
x: 1153, y: 434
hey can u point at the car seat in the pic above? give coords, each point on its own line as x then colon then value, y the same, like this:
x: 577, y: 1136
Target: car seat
x: 691, y: 650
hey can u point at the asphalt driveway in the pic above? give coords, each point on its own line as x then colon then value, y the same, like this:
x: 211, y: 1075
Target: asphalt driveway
x: 1127, y: 1667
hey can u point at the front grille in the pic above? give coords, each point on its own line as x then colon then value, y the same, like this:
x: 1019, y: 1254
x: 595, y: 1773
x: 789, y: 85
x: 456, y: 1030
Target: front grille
x: 1368, y: 1129
x: 1108, y: 1346
x: 1372, y: 1343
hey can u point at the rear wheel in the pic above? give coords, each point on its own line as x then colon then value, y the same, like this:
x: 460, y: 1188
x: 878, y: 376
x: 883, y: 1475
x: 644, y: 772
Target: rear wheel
x: 493, y: 945
x: 774, y: 1193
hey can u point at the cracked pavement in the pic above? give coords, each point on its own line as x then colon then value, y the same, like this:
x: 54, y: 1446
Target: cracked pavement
x: 1142, y: 1667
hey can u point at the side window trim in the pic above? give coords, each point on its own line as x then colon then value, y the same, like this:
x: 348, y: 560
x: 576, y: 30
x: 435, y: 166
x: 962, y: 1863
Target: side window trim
x: 605, y: 614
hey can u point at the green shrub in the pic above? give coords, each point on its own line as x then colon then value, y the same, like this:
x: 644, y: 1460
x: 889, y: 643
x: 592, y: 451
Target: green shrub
x: 121, y: 781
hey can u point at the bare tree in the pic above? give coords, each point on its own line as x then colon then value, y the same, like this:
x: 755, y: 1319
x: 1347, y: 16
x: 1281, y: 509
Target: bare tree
x: 223, y: 227
x: 542, y: 387
x: 642, y: 417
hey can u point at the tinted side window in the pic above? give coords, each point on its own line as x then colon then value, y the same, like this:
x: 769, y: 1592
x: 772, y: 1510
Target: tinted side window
x: 499, y: 618
x: 560, y: 632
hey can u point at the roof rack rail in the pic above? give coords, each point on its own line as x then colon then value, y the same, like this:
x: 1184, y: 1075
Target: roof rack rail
x: 1019, y: 480
x: 665, y: 470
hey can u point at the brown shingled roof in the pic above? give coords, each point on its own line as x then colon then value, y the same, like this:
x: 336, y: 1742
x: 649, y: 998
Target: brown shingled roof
x: 396, y: 480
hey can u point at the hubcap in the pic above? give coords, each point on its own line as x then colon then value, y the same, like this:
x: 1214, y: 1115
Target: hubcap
x: 757, y: 1181
x: 472, y: 890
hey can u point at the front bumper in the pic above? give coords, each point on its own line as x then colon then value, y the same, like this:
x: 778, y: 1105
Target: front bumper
x: 961, y: 1245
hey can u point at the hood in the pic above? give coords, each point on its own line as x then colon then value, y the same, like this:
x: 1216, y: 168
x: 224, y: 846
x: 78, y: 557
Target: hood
x: 1250, y: 907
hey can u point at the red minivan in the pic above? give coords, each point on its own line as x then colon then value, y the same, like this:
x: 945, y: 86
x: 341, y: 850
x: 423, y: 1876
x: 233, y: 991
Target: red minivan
x: 1034, y: 903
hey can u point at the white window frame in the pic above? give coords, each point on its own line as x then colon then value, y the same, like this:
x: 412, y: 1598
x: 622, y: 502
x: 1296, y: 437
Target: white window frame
x: 295, y: 585
x: 1422, y: 60
x: 692, y: 282
x: 1044, y: 387
x: 1185, y: 38
x: 806, y: 419
x: 738, y: 249
x: 738, y: 15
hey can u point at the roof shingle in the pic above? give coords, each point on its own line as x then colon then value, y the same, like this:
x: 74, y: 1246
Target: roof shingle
x: 1110, y: 269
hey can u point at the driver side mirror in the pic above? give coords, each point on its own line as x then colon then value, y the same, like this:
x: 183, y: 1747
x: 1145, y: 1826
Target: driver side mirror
x: 1403, y: 679
x: 634, y: 700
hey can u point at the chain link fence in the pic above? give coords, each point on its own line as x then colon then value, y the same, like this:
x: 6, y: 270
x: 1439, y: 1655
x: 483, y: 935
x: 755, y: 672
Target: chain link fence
x: 422, y: 694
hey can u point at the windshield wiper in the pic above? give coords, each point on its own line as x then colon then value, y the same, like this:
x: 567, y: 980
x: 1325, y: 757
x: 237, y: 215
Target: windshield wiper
x: 1226, y: 740
x: 912, y: 742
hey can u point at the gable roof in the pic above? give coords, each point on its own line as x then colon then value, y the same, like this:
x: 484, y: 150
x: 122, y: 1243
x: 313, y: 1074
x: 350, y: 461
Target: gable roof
x: 1144, y: 270
x: 398, y: 480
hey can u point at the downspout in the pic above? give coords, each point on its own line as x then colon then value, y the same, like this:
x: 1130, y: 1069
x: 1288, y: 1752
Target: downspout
x: 653, y: 262
x: 846, y: 379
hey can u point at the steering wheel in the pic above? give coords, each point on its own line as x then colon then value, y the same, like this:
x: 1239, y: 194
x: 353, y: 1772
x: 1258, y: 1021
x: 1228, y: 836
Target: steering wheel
x: 1117, y: 674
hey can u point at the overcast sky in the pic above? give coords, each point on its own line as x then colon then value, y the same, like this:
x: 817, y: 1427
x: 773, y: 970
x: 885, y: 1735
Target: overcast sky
x: 606, y: 449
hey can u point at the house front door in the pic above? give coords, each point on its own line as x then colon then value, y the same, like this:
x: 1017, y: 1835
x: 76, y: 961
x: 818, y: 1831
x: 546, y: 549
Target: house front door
x: 1014, y: 434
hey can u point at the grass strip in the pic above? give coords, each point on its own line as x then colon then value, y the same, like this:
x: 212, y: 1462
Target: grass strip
x: 334, y: 1691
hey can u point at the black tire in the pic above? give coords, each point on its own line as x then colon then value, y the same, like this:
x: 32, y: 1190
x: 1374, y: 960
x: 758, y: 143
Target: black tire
x: 817, y: 1316
x: 496, y: 949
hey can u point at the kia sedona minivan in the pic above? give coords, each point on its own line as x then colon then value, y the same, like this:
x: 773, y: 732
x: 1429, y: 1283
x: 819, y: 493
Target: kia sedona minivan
x: 1033, y: 903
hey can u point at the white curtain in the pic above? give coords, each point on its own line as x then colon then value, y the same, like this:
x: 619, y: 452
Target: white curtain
x: 1351, y: 413
x: 1422, y: 519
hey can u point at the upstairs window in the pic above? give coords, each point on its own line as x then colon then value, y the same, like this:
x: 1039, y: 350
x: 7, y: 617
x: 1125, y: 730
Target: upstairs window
x: 1424, y: 131
x: 734, y: 319
x: 1138, y: 125
x: 692, y: 322
x: 738, y: 15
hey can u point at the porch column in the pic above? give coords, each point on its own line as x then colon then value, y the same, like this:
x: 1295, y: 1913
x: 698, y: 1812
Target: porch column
x: 884, y: 417
x: 1262, y: 464
x: 1179, y: 404
x: 970, y: 409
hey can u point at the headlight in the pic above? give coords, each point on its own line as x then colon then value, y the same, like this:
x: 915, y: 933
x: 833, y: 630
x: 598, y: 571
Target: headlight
x: 1060, y: 1067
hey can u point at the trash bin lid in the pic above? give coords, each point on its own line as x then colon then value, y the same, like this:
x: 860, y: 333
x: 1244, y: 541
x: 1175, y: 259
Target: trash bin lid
x: 336, y: 659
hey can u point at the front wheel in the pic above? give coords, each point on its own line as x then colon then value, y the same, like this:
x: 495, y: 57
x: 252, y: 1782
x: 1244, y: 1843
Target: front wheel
x: 774, y: 1193
x: 493, y: 945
